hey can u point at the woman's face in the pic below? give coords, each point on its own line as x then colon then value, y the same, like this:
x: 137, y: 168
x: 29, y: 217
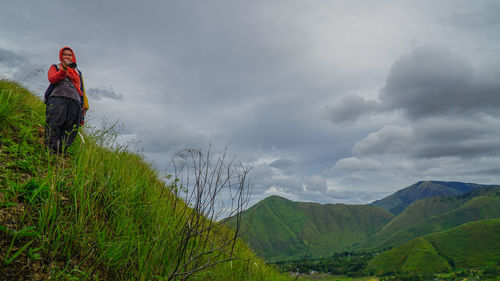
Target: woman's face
x: 67, y: 55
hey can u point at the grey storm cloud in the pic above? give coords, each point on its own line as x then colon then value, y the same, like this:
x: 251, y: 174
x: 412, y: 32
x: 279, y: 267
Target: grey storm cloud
x: 350, y: 108
x: 430, y: 81
x: 451, y: 107
x: 433, y: 81
x: 97, y: 94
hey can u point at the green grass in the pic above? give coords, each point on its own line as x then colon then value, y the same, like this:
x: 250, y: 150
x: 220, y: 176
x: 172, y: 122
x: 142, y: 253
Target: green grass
x: 416, y: 213
x: 438, y: 214
x: 101, y: 213
x: 281, y: 229
x: 327, y: 277
x: 475, y: 244
x: 417, y: 255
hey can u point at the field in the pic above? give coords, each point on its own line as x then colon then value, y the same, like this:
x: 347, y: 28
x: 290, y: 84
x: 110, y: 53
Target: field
x: 327, y: 277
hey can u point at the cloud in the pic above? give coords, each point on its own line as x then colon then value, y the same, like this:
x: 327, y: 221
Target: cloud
x: 267, y: 181
x: 282, y: 163
x: 485, y: 17
x: 315, y: 183
x: 351, y: 108
x: 457, y: 137
x: 168, y: 137
x: 434, y: 138
x: 97, y: 94
x: 11, y: 59
x: 17, y: 66
x: 448, y: 129
x: 389, y: 139
x: 433, y: 81
x: 430, y: 81
x: 353, y: 164
x: 260, y: 75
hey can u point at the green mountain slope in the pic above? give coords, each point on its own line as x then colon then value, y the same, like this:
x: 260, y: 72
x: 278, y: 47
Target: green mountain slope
x: 398, y: 201
x: 473, y: 244
x: 99, y: 213
x: 278, y: 228
x: 281, y: 229
x: 437, y: 214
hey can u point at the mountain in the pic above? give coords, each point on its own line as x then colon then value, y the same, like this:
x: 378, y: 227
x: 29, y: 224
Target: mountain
x: 398, y: 201
x: 436, y: 214
x: 277, y: 228
x: 475, y: 244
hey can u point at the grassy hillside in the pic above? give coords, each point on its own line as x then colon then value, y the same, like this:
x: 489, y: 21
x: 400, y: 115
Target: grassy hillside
x: 418, y: 212
x: 437, y: 214
x: 99, y: 213
x: 474, y: 244
x: 418, y: 255
x: 398, y: 201
x: 282, y: 229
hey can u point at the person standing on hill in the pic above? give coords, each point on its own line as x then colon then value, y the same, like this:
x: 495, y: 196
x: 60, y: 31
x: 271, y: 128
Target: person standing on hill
x: 66, y: 102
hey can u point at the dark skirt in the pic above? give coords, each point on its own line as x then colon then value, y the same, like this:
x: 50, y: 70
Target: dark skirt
x: 63, y: 117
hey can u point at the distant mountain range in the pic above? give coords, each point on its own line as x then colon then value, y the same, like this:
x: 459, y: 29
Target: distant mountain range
x: 435, y: 214
x: 279, y: 229
x: 398, y: 201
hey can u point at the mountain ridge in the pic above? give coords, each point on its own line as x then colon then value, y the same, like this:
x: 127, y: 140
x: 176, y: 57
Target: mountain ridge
x: 278, y: 228
x: 282, y: 229
x: 398, y: 201
x: 435, y: 214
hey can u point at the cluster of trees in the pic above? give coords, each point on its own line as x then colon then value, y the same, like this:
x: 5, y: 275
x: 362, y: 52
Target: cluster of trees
x: 487, y: 273
x: 344, y: 263
x: 354, y: 263
x: 410, y: 277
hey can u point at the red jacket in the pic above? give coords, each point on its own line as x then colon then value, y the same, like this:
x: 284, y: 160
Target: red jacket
x: 55, y: 76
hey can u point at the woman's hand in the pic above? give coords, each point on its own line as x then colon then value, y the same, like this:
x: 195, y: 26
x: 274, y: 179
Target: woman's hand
x: 65, y: 64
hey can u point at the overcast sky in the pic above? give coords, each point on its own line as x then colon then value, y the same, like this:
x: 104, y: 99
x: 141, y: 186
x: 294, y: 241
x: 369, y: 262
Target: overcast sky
x: 330, y: 101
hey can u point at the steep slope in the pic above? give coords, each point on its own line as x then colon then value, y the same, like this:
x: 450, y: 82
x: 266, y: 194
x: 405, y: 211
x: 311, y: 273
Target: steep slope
x: 437, y: 214
x: 98, y: 213
x: 398, y: 201
x: 470, y: 245
x: 278, y: 228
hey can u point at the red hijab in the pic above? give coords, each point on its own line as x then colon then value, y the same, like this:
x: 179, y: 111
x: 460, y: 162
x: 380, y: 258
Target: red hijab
x: 73, y: 75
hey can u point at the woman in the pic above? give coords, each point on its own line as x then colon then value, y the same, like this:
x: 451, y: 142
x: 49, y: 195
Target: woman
x: 66, y: 102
